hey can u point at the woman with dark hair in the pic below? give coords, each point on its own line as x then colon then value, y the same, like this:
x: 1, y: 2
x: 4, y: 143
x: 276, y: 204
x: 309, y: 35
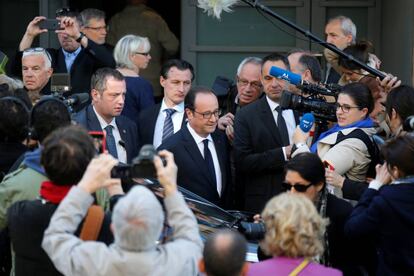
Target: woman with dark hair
x: 346, y: 146
x: 305, y: 174
x: 398, y: 107
x: 386, y: 212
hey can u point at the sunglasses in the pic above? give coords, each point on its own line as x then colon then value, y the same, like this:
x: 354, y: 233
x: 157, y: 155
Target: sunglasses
x: 298, y: 187
x: 38, y: 50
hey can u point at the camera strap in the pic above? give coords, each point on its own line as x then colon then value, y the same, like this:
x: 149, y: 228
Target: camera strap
x: 372, y: 147
x: 92, y: 224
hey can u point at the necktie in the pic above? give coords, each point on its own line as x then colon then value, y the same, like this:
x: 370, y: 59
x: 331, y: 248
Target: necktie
x: 209, y: 161
x: 281, y: 124
x: 110, y: 141
x: 168, y: 129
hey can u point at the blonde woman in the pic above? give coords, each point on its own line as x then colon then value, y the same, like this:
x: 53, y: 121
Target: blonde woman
x: 131, y: 54
x: 294, y: 234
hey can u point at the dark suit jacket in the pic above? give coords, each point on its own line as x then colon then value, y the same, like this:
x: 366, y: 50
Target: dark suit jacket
x: 192, y: 170
x: 89, y: 59
x: 146, y: 124
x: 258, y: 154
x: 127, y: 129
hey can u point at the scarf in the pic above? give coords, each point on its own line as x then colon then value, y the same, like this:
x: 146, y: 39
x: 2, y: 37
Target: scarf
x: 321, y: 205
x: 366, y: 123
x: 52, y: 192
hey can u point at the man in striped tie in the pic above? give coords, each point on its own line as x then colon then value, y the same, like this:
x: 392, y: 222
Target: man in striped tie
x: 160, y: 121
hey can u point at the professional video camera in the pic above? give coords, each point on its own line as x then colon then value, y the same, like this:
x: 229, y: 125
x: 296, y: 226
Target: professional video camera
x: 60, y: 86
x: 315, y: 103
x: 315, y: 99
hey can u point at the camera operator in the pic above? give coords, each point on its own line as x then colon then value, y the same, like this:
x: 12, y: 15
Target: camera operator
x: 398, y: 107
x: 137, y: 222
x: 385, y: 212
x: 345, y: 146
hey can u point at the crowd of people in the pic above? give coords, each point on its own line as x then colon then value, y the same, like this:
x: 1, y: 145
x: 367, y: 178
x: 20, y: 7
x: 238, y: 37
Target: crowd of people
x: 333, y: 200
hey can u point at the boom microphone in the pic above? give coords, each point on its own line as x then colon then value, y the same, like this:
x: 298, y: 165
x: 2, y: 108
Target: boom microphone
x: 215, y: 7
x: 307, y: 122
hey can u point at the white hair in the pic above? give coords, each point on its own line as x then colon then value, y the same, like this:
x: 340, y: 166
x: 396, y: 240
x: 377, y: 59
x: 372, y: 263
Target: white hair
x: 126, y: 46
x: 138, y: 220
x: 348, y: 27
x: 248, y: 60
x: 45, y: 54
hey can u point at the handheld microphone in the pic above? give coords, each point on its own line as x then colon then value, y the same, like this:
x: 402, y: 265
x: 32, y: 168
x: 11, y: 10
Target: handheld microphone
x: 307, y: 122
x: 286, y: 75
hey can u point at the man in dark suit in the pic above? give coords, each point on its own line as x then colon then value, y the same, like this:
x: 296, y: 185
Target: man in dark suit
x: 200, y: 149
x: 158, y: 122
x: 104, y: 113
x: 78, y: 55
x: 262, y: 139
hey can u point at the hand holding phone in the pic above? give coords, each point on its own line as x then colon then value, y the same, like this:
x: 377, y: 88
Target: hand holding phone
x: 50, y: 24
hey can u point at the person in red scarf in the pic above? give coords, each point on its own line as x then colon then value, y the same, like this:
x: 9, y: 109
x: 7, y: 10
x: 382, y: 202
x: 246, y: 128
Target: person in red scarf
x: 66, y: 154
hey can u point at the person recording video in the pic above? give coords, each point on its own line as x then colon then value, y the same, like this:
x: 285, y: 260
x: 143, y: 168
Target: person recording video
x: 137, y: 220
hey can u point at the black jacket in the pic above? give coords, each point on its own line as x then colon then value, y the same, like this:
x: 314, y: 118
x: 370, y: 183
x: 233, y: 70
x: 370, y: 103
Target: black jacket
x: 388, y: 216
x: 27, y: 222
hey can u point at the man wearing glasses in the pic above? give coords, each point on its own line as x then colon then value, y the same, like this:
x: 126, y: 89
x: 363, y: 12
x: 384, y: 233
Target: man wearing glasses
x: 93, y: 25
x: 200, y: 150
x: 248, y: 89
x: 78, y: 55
x: 262, y: 139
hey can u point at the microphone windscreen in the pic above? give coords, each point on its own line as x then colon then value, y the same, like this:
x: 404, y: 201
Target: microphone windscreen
x: 307, y: 122
x: 283, y: 74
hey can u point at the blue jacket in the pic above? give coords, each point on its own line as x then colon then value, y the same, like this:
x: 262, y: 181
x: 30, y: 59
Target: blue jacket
x: 388, y: 216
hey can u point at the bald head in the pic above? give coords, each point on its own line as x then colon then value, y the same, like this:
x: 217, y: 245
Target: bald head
x: 224, y: 254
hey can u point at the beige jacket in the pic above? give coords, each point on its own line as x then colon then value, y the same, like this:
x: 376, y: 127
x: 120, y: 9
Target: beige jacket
x: 350, y: 157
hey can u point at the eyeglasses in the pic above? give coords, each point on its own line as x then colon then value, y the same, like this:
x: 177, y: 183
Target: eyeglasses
x: 106, y: 28
x: 298, y: 187
x: 144, y: 54
x: 254, y: 84
x: 38, y: 50
x: 345, y: 108
x: 208, y: 114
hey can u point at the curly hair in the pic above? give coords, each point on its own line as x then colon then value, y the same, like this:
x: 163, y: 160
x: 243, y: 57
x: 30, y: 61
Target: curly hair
x: 293, y: 227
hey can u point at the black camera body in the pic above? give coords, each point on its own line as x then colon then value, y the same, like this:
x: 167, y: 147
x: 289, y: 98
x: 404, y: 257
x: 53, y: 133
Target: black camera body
x: 322, y: 110
x: 142, y: 166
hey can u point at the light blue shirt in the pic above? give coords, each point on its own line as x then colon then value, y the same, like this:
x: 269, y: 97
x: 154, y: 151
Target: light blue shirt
x: 70, y: 58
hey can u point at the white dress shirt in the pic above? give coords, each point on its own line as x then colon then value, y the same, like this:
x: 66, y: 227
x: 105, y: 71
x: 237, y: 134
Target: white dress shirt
x: 289, y: 120
x: 122, y: 154
x: 177, y: 119
x: 199, y: 141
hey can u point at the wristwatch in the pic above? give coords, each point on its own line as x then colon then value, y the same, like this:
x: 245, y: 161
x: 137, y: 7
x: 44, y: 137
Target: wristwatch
x: 80, y: 37
x: 296, y: 146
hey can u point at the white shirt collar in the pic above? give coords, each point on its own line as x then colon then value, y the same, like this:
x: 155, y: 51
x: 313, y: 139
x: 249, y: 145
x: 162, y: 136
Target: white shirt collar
x: 198, y: 139
x: 102, y: 122
x: 178, y: 108
x: 74, y: 53
x: 272, y: 104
